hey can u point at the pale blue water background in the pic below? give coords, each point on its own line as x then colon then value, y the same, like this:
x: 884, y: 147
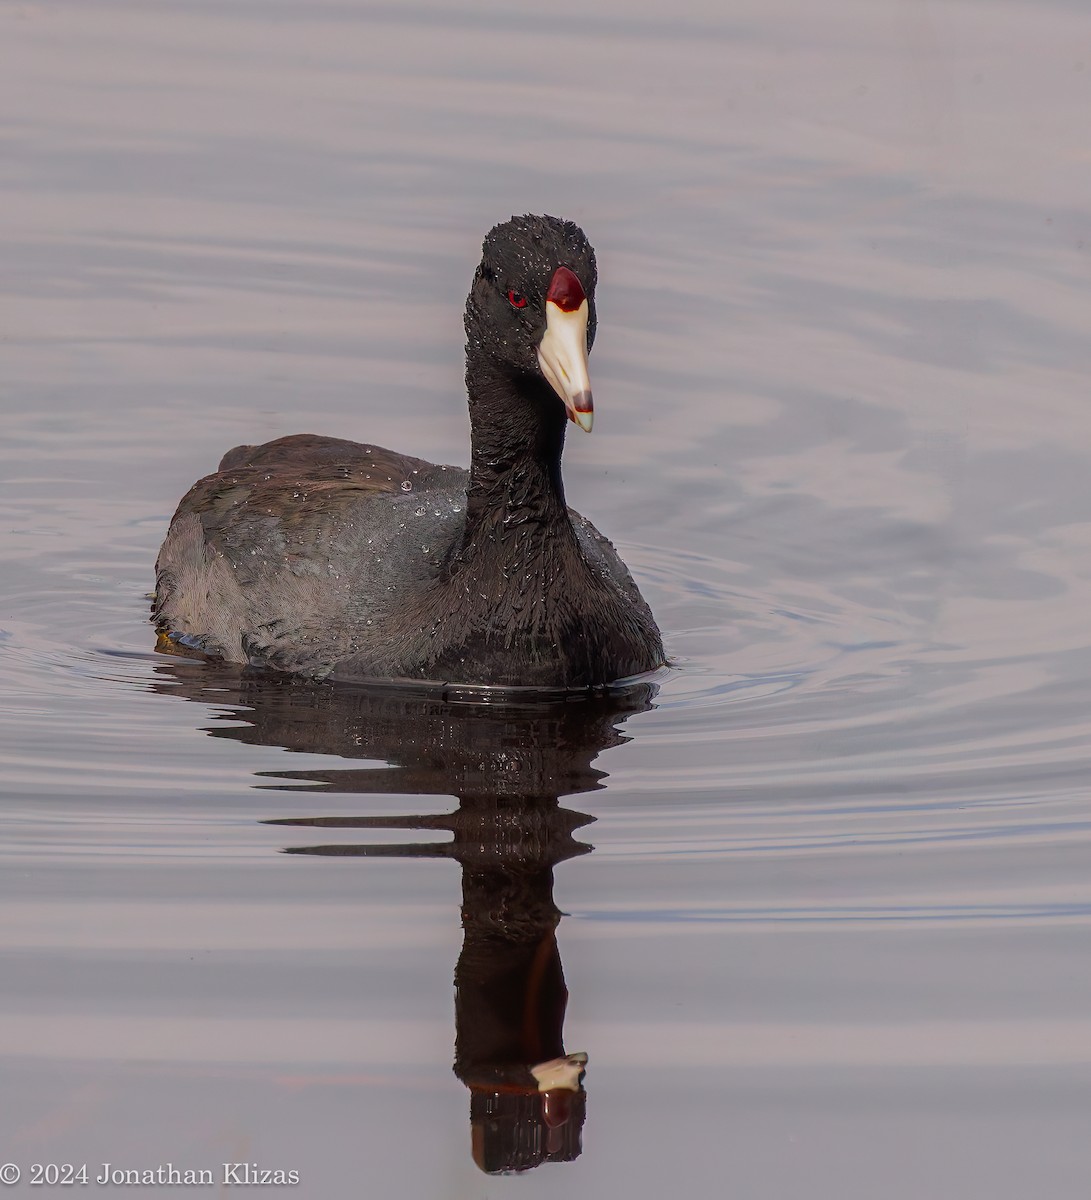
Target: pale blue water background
x: 835, y: 936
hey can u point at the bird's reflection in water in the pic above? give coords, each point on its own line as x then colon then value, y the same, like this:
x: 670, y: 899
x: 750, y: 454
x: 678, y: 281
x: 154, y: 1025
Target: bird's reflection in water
x: 508, y: 765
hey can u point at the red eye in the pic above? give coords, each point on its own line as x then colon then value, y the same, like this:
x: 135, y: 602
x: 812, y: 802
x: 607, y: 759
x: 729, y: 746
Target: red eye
x: 517, y: 300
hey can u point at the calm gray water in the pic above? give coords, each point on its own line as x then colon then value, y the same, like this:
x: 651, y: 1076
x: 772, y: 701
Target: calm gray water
x: 834, y: 937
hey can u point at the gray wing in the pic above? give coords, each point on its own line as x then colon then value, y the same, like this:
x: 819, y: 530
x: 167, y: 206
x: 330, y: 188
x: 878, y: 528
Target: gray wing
x: 286, y: 556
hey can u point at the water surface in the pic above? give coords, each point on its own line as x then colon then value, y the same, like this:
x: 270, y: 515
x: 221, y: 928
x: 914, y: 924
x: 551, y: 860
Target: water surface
x: 834, y: 932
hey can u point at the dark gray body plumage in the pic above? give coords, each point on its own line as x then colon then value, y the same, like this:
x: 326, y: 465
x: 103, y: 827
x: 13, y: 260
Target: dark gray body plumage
x: 309, y: 555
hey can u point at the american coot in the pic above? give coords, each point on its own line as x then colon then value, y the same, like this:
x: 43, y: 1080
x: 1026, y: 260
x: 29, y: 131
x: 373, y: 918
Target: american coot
x: 327, y: 558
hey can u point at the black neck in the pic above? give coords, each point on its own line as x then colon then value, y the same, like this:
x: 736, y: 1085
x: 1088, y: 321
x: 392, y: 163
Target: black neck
x: 517, y: 429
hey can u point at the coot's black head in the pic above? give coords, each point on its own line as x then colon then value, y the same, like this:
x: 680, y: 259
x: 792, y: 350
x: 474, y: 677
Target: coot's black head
x: 530, y: 314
